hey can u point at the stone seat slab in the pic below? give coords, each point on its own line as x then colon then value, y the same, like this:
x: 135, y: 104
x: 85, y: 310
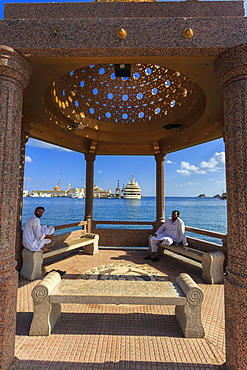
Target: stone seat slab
x: 212, y: 262
x: 67, y: 247
x: 117, y: 292
x: 186, y: 251
x: 33, y: 260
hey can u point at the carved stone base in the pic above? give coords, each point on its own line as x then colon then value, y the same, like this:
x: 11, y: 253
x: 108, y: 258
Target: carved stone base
x: 32, y: 264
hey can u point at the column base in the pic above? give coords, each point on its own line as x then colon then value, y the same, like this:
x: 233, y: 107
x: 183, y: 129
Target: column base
x: 236, y: 319
x: 8, y: 288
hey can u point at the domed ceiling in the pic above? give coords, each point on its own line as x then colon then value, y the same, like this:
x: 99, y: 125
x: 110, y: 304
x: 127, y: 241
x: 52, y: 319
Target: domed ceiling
x: 150, y: 92
x: 152, y: 101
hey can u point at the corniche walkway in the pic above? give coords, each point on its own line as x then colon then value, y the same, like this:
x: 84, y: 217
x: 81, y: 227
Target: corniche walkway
x: 106, y: 337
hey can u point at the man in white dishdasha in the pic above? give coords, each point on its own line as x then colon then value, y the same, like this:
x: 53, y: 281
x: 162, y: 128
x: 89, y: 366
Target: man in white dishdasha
x: 171, y: 231
x: 35, y: 236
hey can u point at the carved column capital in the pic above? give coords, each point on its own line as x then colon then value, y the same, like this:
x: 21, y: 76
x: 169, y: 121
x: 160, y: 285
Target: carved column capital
x: 15, y: 66
x: 231, y: 65
x: 160, y: 157
x: 90, y: 157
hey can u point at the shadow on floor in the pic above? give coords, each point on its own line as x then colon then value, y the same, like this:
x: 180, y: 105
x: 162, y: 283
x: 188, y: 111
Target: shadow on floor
x: 124, y: 324
x: 125, y: 365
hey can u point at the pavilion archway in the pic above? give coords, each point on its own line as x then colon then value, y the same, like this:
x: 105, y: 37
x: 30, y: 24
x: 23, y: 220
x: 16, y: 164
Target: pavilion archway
x: 203, y: 41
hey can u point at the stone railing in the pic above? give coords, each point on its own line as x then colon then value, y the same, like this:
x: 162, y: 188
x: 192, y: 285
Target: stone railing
x: 72, y: 234
x: 135, y: 234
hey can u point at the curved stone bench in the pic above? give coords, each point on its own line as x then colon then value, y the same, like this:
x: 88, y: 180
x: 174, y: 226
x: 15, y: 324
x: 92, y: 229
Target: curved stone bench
x: 212, y: 262
x: 185, y: 294
x: 33, y: 261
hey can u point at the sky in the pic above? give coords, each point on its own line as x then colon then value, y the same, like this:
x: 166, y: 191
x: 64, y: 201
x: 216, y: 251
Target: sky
x: 189, y: 172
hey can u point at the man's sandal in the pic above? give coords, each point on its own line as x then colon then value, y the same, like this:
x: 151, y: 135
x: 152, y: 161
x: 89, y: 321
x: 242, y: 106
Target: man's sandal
x: 155, y: 259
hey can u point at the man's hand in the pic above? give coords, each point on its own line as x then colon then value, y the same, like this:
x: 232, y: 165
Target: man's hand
x: 45, y: 249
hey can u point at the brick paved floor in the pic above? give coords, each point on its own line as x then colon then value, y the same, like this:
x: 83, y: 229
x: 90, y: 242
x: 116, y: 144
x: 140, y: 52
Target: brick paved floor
x: 121, y: 337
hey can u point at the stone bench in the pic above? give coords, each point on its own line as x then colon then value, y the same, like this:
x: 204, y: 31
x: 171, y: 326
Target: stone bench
x: 185, y: 294
x: 33, y: 261
x: 212, y: 262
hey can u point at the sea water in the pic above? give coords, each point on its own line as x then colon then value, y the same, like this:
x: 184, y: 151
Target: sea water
x: 202, y: 213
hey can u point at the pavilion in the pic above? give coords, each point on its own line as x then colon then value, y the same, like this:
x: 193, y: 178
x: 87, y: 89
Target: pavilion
x: 125, y: 78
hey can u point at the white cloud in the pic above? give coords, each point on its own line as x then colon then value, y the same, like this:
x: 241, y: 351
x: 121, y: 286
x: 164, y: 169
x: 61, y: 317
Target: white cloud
x: 169, y: 162
x: 28, y: 159
x: 99, y: 171
x: 189, y: 183
x: 28, y: 179
x: 216, y: 162
x: 184, y: 172
x: 42, y: 144
x: 187, y: 169
x: 200, y: 172
x: 187, y: 166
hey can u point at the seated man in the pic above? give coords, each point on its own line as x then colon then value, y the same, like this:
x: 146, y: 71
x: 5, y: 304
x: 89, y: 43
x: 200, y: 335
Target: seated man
x: 35, y: 236
x: 171, y: 231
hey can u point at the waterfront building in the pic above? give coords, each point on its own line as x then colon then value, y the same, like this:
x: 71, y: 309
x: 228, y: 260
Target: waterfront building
x: 187, y: 85
x: 76, y: 193
x: 25, y: 193
x: 100, y: 193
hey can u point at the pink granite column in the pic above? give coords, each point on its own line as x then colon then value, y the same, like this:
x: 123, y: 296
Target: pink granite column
x: 90, y: 158
x: 160, y: 188
x: 231, y: 70
x: 14, y: 75
x: 18, y: 242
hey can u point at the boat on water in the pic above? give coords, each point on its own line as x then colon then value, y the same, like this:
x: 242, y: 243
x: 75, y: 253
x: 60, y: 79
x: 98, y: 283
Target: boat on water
x: 34, y: 194
x: 76, y: 194
x: 132, y: 190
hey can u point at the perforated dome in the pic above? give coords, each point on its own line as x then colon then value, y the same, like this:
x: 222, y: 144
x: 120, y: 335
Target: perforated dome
x: 94, y: 91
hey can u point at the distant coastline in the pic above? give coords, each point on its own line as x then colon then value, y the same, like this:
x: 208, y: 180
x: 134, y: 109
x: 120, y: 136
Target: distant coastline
x: 222, y: 196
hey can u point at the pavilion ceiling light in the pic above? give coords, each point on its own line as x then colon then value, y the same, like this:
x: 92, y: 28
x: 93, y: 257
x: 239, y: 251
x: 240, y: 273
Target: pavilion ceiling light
x: 122, y: 70
x: 172, y: 126
x: 77, y: 126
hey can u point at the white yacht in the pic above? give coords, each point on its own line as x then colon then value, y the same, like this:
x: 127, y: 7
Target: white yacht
x: 132, y: 190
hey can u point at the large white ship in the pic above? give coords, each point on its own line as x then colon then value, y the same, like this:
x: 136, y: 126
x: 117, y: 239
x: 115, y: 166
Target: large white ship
x: 132, y: 190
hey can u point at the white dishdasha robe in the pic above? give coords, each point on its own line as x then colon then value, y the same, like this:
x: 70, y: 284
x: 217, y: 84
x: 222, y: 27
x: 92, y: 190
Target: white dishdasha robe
x: 34, y: 233
x: 169, y: 232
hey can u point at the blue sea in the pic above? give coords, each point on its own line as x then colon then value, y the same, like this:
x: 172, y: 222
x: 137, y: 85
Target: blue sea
x: 202, y: 213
